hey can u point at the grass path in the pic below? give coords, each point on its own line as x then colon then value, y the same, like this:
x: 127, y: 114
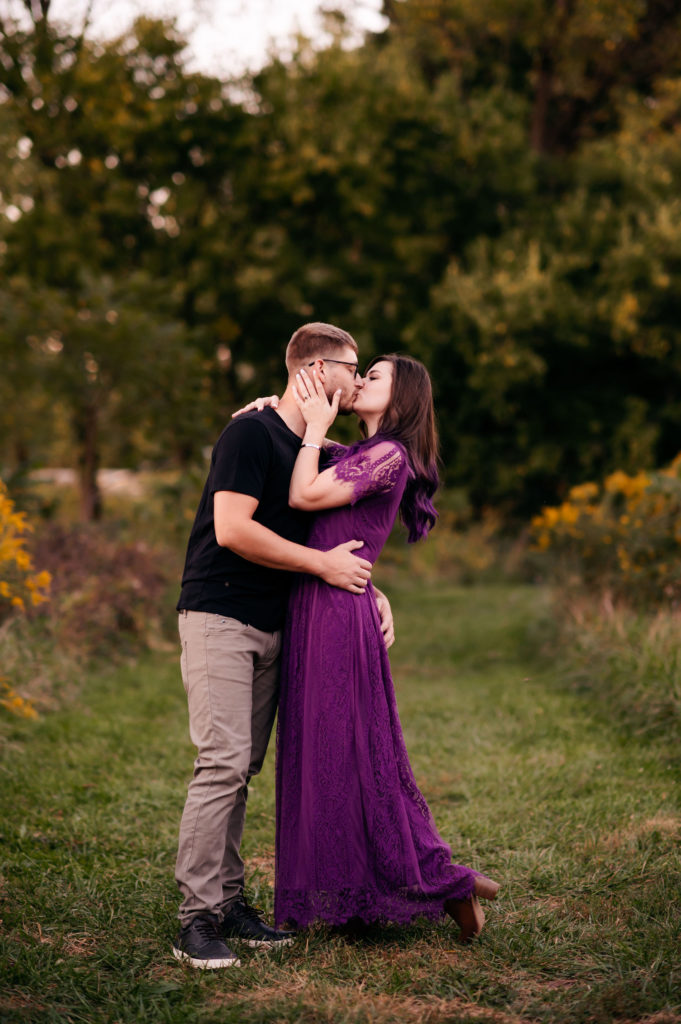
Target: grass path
x: 526, y: 779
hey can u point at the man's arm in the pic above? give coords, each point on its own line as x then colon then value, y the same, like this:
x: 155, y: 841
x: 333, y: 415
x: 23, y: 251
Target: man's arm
x: 236, y: 529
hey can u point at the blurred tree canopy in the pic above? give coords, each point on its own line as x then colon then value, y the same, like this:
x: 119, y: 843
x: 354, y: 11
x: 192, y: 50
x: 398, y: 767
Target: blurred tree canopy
x: 490, y: 185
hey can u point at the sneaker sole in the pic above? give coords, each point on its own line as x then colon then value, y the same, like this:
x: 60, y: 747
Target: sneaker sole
x: 262, y: 943
x: 205, y: 965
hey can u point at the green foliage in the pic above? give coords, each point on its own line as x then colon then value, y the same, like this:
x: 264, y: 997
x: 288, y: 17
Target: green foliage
x: 488, y: 185
x: 621, y: 541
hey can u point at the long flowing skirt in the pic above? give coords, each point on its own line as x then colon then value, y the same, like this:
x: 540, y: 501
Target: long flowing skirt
x: 355, y: 836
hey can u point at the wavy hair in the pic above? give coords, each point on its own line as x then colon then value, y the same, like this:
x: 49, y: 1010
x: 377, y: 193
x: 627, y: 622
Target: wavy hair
x: 410, y: 420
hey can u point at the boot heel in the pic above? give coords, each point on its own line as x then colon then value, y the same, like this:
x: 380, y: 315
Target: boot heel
x: 469, y: 916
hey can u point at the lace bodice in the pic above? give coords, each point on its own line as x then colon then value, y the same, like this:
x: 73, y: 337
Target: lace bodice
x: 378, y: 470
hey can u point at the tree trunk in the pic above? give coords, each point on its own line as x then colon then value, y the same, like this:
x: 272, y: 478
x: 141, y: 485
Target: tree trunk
x: 86, y: 431
x: 21, y: 452
x: 539, y: 135
x: 542, y: 139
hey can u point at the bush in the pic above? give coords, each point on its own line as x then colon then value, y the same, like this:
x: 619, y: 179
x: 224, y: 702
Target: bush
x: 108, y: 595
x: 462, y: 548
x: 109, y: 599
x: 20, y: 587
x: 621, y: 538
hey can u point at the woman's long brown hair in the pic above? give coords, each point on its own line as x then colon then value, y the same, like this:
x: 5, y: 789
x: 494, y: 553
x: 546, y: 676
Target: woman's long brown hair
x: 410, y: 419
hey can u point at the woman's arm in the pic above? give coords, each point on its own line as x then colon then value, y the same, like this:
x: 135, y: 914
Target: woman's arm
x: 258, y: 404
x: 375, y: 469
x: 309, y: 489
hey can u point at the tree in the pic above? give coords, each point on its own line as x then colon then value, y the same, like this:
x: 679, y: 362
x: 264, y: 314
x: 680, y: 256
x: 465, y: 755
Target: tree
x: 99, y: 309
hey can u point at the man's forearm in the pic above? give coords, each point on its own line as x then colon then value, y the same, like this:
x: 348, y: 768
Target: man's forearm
x: 258, y: 544
x: 236, y: 529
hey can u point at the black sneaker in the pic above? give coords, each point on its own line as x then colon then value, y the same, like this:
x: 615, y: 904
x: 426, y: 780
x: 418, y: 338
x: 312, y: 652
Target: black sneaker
x: 243, y: 922
x: 201, y: 945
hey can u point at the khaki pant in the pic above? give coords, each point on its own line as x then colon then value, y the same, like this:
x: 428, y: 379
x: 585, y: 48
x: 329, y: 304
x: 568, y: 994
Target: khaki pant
x: 230, y: 673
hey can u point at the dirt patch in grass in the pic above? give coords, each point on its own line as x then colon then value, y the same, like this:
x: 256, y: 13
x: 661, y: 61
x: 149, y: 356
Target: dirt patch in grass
x: 313, y: 1002
x: 624, y: 839
x: 261, y: 867
x: 80, y: 944
x: 657, y: 1018
x: 17, y: 1000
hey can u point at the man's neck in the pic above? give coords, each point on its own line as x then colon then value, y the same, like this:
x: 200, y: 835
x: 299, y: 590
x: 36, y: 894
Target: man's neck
x: 290, y: 414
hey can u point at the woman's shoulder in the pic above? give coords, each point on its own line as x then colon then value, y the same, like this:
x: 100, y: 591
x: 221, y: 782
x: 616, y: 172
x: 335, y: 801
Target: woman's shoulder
x: 387, y: 451
x: 374, y: 449
x: 374, y: 466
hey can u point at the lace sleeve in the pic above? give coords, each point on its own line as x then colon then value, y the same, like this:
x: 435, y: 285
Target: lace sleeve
x: 372, y: 470
x: 335, y: 450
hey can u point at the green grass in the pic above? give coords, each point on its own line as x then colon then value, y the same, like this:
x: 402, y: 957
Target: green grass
x: 527, y: 781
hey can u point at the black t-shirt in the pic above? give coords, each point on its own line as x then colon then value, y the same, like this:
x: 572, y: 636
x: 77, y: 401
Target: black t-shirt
x: 254, y: 455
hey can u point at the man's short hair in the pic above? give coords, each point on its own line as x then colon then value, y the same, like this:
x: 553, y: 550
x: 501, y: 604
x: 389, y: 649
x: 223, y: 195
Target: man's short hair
x: 312, y: 341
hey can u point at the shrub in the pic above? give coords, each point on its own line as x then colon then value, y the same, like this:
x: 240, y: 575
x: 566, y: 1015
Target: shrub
x: 109, y: 595
x: 462, y: 548
x: 109, y: 598
x: 20, y: 585
x: 622, y: 537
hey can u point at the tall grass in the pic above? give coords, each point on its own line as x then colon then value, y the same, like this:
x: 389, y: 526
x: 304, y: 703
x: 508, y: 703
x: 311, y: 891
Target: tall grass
x: 627, y: 661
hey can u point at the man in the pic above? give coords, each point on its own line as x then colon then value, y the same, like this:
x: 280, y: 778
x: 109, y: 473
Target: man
x: 244, y: 543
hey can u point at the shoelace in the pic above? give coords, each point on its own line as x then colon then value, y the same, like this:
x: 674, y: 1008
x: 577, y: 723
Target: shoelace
x: 244, y: 909
x: 206, y: 928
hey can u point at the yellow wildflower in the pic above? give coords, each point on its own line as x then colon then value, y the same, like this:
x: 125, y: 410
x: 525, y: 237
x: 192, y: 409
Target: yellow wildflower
x: 568, y: 513
x: 551, y: 516
x: 14, y: 703
x: 584, y: 492
x: 617, y: 482
x: 22, y: 560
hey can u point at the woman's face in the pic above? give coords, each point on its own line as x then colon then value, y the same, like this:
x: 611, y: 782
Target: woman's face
x: 373, y: 397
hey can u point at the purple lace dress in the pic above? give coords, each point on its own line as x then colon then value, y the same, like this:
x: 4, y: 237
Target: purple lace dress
x: 355, y: 837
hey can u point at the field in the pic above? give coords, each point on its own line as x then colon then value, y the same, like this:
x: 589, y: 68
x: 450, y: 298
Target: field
x: 529, y: 778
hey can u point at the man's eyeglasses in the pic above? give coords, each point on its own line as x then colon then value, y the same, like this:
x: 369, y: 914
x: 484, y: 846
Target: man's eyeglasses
x: 342, y: 362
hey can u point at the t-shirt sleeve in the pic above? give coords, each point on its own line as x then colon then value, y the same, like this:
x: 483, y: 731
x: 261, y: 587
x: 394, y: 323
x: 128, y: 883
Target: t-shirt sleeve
x: 374, y: 470
x: 241, y: 458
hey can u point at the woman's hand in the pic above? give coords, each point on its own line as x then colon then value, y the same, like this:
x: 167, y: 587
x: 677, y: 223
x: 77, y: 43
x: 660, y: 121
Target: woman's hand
x: 258, y: 404
x: 314, y: 406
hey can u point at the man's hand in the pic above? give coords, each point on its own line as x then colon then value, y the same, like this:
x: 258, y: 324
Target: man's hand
x: 385, y: 611
x: 258, y: 405
x: 345, y: 570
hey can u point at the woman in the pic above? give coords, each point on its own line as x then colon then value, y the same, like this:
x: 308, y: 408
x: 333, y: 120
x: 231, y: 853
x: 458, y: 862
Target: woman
x: 355, y: 837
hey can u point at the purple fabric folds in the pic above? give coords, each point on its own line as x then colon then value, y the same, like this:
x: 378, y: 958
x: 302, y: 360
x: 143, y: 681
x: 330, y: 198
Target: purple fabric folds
x: 355, y: 836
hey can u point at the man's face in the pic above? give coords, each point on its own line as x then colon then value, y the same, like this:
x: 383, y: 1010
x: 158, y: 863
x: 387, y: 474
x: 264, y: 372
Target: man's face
x: 341, y: 372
